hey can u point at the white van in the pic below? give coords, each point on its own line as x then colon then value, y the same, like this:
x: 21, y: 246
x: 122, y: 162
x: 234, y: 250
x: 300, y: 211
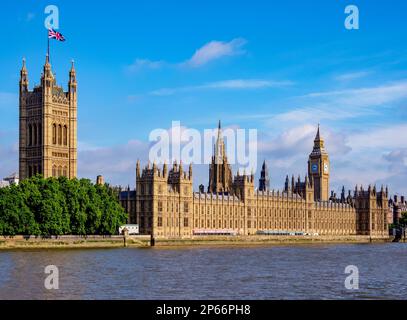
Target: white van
x: 132, y: 228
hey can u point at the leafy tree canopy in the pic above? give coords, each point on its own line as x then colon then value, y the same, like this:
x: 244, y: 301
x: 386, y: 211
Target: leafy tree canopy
x: 60, y: 206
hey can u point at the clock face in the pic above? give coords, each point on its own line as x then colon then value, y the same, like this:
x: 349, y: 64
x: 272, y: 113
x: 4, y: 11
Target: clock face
x: 314, y: 168
x: 326, y: 168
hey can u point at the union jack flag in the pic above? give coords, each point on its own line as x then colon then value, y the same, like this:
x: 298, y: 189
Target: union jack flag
x: 52, y: 34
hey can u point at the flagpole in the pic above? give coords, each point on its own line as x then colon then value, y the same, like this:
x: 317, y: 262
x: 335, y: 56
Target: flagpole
x: 48, y: 46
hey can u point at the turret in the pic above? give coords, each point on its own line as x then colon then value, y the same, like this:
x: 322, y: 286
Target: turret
x: 181, y: 169
x: 287, y: 184
x: 23, y: 78
x: 264, y: 181
x: 343, y: 195
x: 47, y: 80
x: 72, y: 84
x: 138, y: 169
x: 165, y: 170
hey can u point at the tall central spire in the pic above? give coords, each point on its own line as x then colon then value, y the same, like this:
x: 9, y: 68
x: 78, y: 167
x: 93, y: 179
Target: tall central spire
x: 220, y: 174
x: 219, y: 147
x: 319, y: 145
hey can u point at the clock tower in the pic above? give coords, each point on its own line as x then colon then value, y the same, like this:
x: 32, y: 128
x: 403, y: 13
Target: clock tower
x: 318, y: 169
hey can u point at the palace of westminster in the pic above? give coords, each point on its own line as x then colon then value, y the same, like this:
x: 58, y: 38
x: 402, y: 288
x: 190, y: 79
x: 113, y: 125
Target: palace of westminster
x: 164, y: 204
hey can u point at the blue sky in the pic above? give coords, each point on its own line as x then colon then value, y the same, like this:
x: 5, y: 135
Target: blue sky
x: 281, y: 67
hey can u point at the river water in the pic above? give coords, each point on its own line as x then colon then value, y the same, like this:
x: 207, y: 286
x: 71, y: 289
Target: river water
x: 273, y: 272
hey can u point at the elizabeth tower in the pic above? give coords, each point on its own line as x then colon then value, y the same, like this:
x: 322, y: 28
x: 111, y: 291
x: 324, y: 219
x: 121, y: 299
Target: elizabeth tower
x: 318, y: 169
x: 48, y: 120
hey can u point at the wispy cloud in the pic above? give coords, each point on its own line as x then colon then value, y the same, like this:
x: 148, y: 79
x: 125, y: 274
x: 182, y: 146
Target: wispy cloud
x: 30, y: 16
x: 209, y: 52
x: 344, y: 104
x: 234, y: 84
x: 140, y: 64
x: 215, y: 50
x: 353, y: 75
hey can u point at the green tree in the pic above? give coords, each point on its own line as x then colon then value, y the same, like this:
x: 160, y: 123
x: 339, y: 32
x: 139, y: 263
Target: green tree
x: 60, y: 206
x: 403, y: 219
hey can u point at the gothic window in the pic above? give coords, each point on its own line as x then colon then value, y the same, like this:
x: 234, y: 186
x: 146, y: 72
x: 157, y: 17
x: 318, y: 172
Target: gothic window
x: 54, y: 171
x: 160, y: 222
x: 160, y: 206
x: 65, y: 172
x: 30, y: 172
x: 39, y: 169
x: 30, y: 135
x: 34, y: 133
x: 54, y: 133
x: 59, y: 134
x: 185, y: 222
x: 65, y: 135
x: 39, y: 134
x: 59, y: 171
x: 186, y: 208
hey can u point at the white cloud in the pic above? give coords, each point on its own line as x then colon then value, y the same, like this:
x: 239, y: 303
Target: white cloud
x: 215, y: 50
x: 209, y: 52
x: 342, y: 104
x: 383, y: 138
x: 116, y: 163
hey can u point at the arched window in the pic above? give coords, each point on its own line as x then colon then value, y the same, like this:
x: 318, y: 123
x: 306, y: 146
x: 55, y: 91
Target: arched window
x: 54, y: 171
x: 39, y: 134
x: 59, y: 171
x: 34, y: 134
x: 59, y: 134
x: 65, y: 135
x: 54, y: 133
x: 64, y: 172
x: 29, y: 135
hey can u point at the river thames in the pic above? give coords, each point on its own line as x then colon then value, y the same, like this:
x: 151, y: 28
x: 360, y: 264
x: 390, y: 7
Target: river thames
x: 273, y: 272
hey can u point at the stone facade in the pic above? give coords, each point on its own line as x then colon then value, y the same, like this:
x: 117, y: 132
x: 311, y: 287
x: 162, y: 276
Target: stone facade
x: 397, y: 206
x: 48, y: 121
x: 165, y: 205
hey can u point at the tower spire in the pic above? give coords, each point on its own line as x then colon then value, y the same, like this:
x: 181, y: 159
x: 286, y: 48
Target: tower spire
x: 318, y: 137
x: 264, y: 181
x: 23, y: 77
